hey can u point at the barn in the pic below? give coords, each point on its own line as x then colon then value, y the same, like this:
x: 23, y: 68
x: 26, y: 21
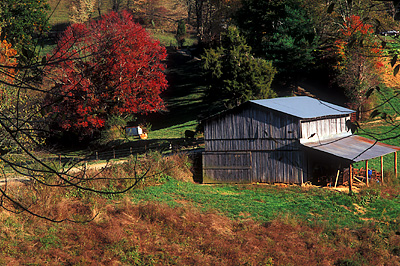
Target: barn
x: 283, y: 140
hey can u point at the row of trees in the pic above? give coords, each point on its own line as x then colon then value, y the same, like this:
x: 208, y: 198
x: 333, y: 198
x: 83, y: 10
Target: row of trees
x: 338, y: 38
x: 111, y: 67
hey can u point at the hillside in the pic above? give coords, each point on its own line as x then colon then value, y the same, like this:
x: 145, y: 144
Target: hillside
x: 163, y: 13
x: 169, y: 220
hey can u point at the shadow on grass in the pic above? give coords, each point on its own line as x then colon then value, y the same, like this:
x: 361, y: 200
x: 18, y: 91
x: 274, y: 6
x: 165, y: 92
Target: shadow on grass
x: 161, y: 145
x: 183, y: 98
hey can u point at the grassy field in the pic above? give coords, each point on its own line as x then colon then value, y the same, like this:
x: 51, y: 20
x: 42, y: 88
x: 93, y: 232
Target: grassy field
x: 263, y: 203
x: 169, y: 220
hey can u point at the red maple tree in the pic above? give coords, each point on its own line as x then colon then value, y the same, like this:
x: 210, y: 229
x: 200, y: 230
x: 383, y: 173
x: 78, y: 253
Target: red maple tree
x: 107, y: 67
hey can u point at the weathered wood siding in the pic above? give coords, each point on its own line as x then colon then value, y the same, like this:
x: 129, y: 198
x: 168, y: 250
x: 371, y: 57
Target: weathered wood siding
x: 323, y: 128
x: 252, y: 123
x: 278, y: 166
x: 227, y: 167
x: 270, y: 138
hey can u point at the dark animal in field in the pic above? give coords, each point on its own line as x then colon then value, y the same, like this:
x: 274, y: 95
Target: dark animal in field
x: 189, y: 134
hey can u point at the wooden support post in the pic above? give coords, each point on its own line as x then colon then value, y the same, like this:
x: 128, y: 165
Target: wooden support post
x: 350, y: 178
x: 366, y: 173
x: 382, y: 168
x: 395, y: 164
x: 97, y: 155
x: 337, y: 177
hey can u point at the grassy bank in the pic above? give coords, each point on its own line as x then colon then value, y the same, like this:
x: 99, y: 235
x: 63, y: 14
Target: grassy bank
x: 169, y: 220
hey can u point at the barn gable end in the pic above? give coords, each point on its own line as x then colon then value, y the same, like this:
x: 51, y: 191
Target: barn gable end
x: 250, y: 144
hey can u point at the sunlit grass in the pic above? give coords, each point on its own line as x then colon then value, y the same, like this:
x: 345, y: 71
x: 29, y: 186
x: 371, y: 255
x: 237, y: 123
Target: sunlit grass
x: 264, y: 203
x: 168, y: 39
x: 175, y: 131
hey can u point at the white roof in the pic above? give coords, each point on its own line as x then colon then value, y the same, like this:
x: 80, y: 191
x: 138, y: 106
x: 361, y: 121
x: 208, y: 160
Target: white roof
x: 303, y: 107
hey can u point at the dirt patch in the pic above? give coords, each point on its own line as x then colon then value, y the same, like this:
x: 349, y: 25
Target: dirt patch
x: 345, y: 189
x: 359, y: 209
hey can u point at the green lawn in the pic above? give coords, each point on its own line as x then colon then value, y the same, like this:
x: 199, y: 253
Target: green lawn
x: 316, y: 206
x: 384, y: 130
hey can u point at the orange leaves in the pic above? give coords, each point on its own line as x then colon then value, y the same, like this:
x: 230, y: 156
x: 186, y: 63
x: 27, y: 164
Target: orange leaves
x: 354, y: 25
x: 355, y: 36
x: 6, y: 50
x: 7, y: 62
x: 356, y: 54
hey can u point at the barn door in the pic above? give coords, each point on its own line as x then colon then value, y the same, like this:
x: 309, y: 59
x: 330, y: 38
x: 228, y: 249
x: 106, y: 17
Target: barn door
x: 227, y: 167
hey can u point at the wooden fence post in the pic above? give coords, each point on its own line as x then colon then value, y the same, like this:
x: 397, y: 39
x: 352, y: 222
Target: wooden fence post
x: 395, y: 164
x: 97, y: 156
x: 114, y: 153
x: 382, y: 168
x: 350, y: 178
x: 366, y: 173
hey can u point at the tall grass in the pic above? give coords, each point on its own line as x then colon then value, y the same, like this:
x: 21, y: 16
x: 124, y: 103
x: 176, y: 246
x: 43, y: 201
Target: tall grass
x: 319, y: 207
x: 169, y: 220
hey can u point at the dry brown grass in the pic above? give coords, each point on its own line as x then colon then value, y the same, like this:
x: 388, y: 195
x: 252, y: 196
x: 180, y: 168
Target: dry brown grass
x: 153, y: 233
x: 150, y: 233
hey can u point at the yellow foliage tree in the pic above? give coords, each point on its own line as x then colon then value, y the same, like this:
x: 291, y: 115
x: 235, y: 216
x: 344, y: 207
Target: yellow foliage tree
x: 81, y: 10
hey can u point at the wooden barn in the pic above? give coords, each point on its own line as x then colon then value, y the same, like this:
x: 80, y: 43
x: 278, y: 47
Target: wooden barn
x: 285, y: 140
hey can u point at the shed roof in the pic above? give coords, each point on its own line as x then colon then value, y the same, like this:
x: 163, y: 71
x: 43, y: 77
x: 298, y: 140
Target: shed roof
x: 303, y: 107
x: 354, y: 148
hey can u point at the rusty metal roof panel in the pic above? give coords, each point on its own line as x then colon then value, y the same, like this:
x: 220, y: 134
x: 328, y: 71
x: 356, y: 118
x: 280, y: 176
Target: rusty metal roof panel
x: 354, y: 148
x: 303, y: 107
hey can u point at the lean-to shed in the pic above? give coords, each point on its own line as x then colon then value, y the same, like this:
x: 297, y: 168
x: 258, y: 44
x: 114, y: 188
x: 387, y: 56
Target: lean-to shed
x: 287, y: 140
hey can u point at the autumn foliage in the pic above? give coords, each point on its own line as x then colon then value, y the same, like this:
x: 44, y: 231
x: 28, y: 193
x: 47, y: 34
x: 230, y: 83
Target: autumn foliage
x: 355, y: 30
x: 357, y: 59
x: 107, y: 67
x: 8, y: 72
x: 8, y: 61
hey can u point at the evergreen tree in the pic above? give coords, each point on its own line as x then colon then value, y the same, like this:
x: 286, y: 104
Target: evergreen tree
x: 234, y: 75
x: 181, y: 32
x: 280, y: 31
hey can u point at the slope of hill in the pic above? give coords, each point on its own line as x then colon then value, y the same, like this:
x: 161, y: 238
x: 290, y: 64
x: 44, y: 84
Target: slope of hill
x: 168, y: 220
x: 161, y: 14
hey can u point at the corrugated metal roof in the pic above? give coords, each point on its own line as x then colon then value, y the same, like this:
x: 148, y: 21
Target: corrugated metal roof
x: 354, y: 148
x: 303, y: 107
